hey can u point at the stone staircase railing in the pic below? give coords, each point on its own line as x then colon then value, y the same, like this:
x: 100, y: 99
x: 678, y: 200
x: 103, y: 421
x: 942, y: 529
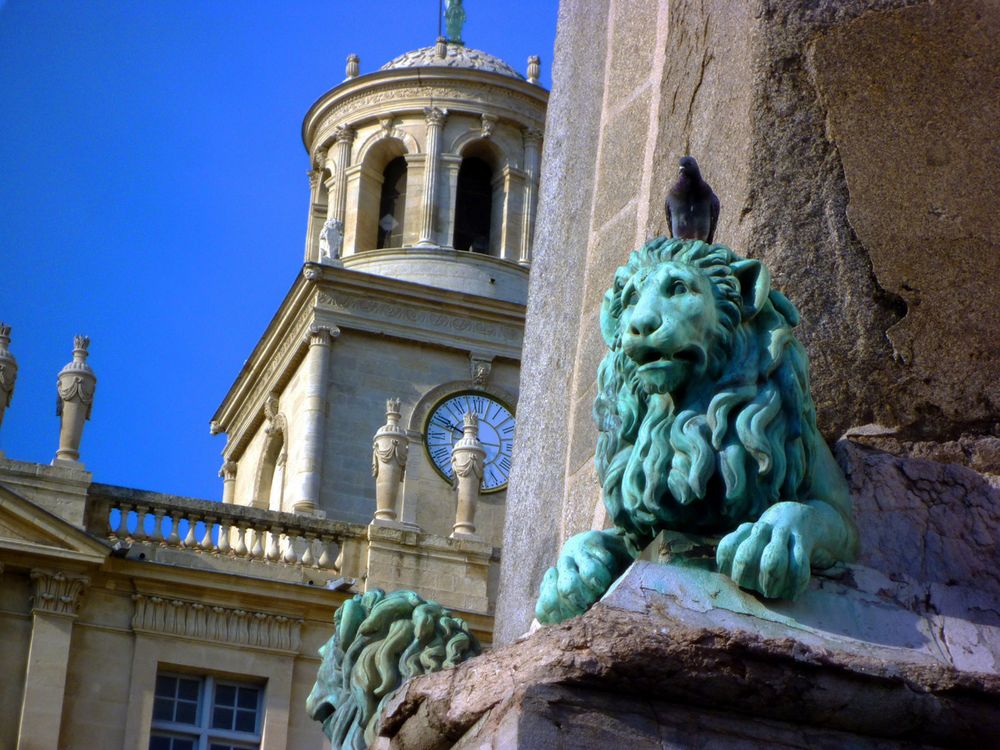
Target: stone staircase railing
x: 120, y: 514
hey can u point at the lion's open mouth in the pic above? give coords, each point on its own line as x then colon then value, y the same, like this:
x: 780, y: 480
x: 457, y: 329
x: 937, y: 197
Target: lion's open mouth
x: 650, y: 359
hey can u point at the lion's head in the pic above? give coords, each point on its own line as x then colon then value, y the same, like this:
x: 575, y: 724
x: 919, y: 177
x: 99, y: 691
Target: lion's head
x: 379, y: 642
x: 703, y: 398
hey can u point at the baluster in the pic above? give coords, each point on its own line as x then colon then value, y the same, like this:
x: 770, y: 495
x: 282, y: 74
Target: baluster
x: 273, y: 553
x: 122, y: 532
x: 174, y: 539
x: 257, y: 553
x: 140, y: 523
x: 290, y: 557
x: 324, y: 557
x: 189, y: 540
x: 307, y: 555
x: 338, y: 564
x: 241, y: 542
x: 206, y: 539
x: 157, y: 536
x: 223, y: 545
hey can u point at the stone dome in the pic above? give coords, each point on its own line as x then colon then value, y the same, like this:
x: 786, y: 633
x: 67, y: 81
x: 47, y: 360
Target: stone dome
x: 456, y: 56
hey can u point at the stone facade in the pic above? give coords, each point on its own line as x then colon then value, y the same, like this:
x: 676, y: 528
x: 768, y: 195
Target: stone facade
x: 105, y: 589
x: 821, y: 131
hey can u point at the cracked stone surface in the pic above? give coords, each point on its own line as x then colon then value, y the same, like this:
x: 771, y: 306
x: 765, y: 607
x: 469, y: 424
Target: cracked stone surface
x: 928, y: 521
x: 677, y: 657
x: 853, y: 146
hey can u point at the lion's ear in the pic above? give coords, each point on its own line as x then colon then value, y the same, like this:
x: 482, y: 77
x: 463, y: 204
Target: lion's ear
x: 755, y: 284
x: 610, y: 318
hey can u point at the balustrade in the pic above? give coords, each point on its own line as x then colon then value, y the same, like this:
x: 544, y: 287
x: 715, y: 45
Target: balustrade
x: 265, y: 537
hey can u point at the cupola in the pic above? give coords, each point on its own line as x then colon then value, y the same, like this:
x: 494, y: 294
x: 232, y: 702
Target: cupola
x: 426, y: 170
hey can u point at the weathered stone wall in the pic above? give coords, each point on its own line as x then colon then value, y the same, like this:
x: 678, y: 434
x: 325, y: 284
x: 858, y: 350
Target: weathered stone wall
x: 852, y: 145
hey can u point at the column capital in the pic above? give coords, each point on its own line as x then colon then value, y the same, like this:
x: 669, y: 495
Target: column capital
x: 319, y: 158
x: 344, y: 134
x: 56, y: 592
x: 319, y: 335
x: 532, y: 137
x: 228, y: 470
x: 314, y: 175
x: 435, y: 115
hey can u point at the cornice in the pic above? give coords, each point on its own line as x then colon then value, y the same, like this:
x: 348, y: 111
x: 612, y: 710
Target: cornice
x: 330, y: 295
x: 405, y: 89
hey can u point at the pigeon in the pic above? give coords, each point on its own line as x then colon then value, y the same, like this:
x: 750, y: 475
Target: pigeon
x: 692, y: 208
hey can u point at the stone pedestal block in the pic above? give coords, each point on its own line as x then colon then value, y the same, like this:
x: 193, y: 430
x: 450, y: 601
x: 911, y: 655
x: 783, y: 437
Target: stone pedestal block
x: 679, y: 657
x: 453, y: 572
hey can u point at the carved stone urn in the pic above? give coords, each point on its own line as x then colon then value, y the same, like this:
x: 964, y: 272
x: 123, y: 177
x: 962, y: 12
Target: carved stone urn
x: 8, y: 370
x: 467, y: 459
x: 75, y: 385
x: 389, y: 450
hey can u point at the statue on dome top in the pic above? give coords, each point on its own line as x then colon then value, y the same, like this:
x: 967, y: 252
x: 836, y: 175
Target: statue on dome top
x: 454, y: 18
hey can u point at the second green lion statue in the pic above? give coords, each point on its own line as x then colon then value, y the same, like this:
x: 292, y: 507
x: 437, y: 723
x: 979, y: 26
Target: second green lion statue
x: 706, y: 427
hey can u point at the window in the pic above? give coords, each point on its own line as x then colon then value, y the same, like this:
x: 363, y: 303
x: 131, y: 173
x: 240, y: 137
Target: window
x: 473, y: 206
x: 392, y: 204
x: 205, y: 713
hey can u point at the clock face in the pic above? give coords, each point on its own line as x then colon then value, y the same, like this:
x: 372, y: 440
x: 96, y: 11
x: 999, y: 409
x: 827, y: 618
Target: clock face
x: 496, y: 433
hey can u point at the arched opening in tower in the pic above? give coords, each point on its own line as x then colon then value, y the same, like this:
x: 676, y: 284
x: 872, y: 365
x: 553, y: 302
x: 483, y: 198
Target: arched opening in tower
x: 392, y: 204
x: 473, y: 206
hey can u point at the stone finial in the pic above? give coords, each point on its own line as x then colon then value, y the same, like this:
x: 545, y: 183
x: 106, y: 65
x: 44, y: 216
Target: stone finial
x: 467, y: 461
x: 8, y: 370
x: 389, y: 451
x: 75, y: 387
x: 228, y: 474
x: 353, y: 66
x: 534, y: 68
x: 441, y: 48
x: 488, y: 124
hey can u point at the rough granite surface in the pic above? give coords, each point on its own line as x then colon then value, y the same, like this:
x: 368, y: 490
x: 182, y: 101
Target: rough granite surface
x: 532, y: 523
x: 853, y: 147
x: 677, y: 657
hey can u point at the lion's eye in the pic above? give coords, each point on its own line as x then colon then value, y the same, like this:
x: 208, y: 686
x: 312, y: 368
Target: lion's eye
x: 677, y: 287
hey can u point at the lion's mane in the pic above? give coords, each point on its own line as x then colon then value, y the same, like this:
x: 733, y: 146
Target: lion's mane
x: 713, y: 464
x: 379, y: 642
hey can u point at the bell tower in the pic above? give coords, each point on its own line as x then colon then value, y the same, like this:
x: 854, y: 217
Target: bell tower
x: 422, y: 194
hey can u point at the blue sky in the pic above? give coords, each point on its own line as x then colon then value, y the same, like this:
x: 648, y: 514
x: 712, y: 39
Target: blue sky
x: 153, y: 195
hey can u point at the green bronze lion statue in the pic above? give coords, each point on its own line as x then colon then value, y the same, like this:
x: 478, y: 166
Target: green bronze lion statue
x: 707, y: 427
x: 379, y: 642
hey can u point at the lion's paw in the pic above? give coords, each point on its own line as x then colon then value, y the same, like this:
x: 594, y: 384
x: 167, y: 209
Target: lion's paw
x: 768, y: 556
x: 588, y: 564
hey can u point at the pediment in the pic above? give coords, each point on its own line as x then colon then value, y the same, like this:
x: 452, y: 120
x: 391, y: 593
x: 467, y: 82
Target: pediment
x: 28, y: 529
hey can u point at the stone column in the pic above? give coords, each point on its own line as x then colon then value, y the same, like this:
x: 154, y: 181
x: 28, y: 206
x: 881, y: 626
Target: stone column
x: 75, y: 386
x: 532, y: 158
x: 389, y: 451
x: 8, y: 371
x: 54, y: 608
x: 228, y: 474
x: 304, y: 490
x: 467, y: 459
x: 344, y: 139
x: 435, y: 123
x: 316, y: 211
